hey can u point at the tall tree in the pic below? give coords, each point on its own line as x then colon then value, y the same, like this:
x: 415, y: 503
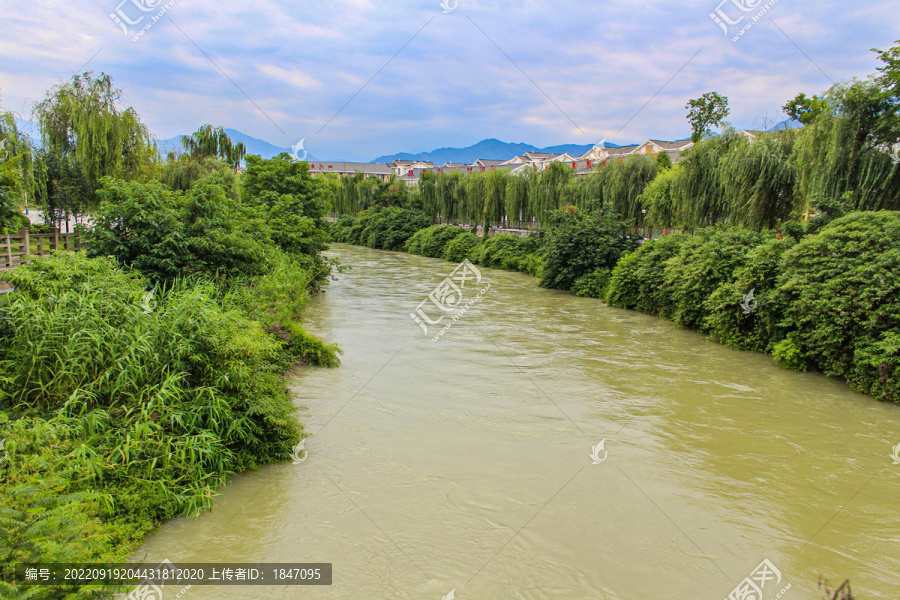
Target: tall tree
x: 706, y: 112
x: 209, y: 141
x: 82, y: 124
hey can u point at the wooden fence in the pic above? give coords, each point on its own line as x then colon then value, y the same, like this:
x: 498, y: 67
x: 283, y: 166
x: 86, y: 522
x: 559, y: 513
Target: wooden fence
x: 18, y: 248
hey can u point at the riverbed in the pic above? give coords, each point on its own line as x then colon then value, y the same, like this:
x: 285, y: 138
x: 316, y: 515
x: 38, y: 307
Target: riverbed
x: 551, y: 447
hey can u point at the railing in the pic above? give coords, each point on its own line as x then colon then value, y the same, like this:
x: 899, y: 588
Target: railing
x: 18, y: 248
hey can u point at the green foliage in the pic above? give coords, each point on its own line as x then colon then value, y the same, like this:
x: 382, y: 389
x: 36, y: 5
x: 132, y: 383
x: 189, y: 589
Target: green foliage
x: 592, y: 285
x: 838, y: 157
x: 461, y: 247
x: 213, y: 142
x: 842, y: 295
x: 385, y: 229
x: 639, y: 280
x: 706, y: 112
x: 17, y: 168
x: 121, y: 410
x: 702, y: 265
x: 289, y: 200
x: 504, y: 251
x: 732, y: 324
x: 533, y: 264
x: 180, y: 173
x: 806, y: 110
x: 83, y: 127
x: 166, y: 234
x: 433, y: 240
x: 9, y: 212
x: 580, y: 244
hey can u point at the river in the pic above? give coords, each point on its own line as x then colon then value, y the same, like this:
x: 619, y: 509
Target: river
x: 468, y: 463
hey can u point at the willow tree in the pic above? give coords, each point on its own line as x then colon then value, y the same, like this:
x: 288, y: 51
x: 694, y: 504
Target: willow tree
x: 17, y: 154
x: 841, y: 155
x: 623, y: 184
x: 515, y: 198
x: 474, y: 198
x: 759, y: 181
x: 494, y: 192
x: 83, y: 125
x: 209, y: 141
x: 697, y: 193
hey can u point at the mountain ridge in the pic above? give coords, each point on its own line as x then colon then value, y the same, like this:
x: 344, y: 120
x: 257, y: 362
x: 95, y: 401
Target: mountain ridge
x: 489, y: 149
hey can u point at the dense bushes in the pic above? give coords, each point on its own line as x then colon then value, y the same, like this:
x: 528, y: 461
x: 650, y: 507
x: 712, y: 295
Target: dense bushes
x: 167, y: 234
x: 841, y: 292
x: 458, y: 250
x: 504, y: 251
x: 433, y: 241
x: 386, y: 229
x: 828, y: 302
x: 579, y: 245
x: 122, y: 409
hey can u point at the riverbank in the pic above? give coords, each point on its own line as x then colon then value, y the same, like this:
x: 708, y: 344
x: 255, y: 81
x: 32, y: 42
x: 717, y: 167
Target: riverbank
x: 122, y: 408
x: 825, y: 298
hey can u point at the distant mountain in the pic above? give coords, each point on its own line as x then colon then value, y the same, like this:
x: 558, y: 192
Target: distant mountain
x: 491, y: 149
x: 254, y: 146
x: 786, y: 124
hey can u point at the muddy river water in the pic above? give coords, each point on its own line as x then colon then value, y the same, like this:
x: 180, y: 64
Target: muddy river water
x: 551, y: 447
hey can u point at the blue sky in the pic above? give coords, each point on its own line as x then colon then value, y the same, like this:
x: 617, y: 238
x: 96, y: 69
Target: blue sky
x: 540, y: 72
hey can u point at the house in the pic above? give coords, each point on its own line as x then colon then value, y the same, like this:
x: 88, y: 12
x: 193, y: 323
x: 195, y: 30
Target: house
x: 597, y: 153
x: 488, y: 164
x: 750, y: 134
x: 402, y: 167
x: 320, y: 169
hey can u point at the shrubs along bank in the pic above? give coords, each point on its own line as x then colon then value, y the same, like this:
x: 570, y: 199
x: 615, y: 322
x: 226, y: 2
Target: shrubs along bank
x: 825, y: 297
x: 136, y: 376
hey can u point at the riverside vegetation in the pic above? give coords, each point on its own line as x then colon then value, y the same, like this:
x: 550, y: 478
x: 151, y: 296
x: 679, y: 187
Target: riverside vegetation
x: 138, y: 375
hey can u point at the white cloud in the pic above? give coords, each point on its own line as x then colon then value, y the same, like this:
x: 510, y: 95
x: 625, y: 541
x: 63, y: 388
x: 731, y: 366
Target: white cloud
x: 292, y: 77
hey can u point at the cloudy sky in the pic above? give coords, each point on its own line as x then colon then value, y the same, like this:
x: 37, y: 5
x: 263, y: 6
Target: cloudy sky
x: 362, y: 78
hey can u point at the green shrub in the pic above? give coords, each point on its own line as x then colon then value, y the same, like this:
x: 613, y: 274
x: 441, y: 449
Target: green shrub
x: 292, y: 203
x: 592, y: 285
x: 579, y: 245
x: 121, y: 409
x: 709, y: 260
x: 503, y: 251
x: 841, y: 289
x: 433, y: 241
x: 461, y: 247
x: 533, y: 264
x: 639, y: 280
x: 390, y: 228
x: 730, y: 323
x: 166, y: 234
